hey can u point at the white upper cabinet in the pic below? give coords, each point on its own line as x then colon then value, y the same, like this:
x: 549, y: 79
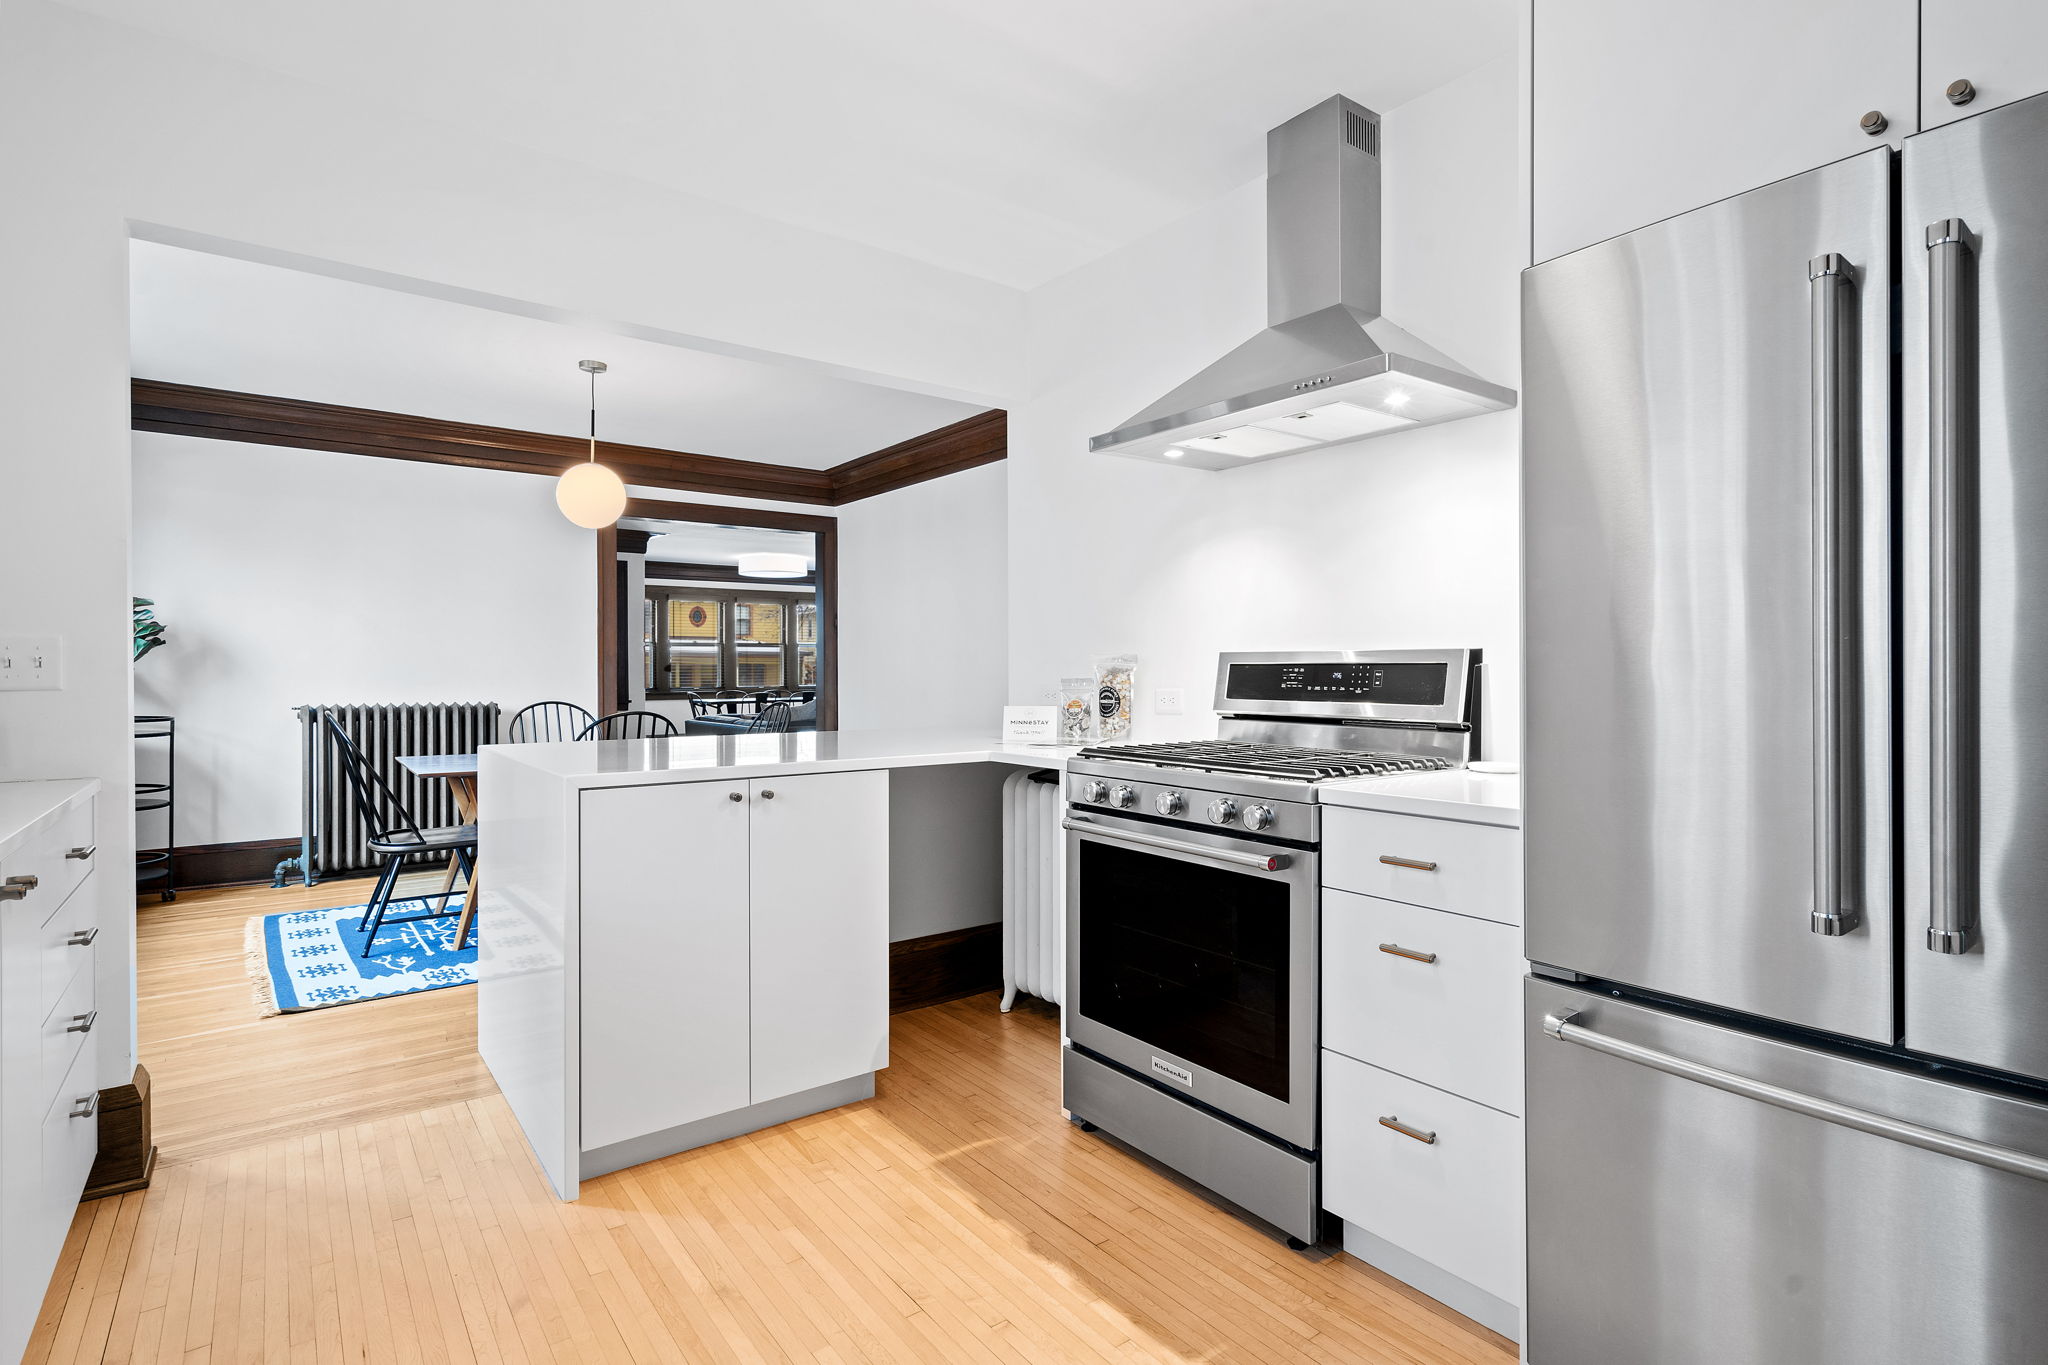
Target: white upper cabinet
x: 1999, y: 48
x: 1641, y: 111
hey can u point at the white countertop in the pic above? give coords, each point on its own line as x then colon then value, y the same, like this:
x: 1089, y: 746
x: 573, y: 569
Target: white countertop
x: 1456, y: 794
x: 24, y: 804
x: 713, y: 758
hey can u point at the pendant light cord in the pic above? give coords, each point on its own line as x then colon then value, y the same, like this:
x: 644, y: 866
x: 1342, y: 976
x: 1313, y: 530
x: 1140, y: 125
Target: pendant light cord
x: 593, y: 417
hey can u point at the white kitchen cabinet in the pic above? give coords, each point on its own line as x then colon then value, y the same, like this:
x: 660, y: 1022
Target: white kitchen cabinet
x: 665, y: 957
x: 49, y: 1078
x: 2000, y: 47
x: 1641, y: 111
x: 1430, y: 995
x: 1435, y: 1175
x: 1462, y: 866
x: 819, y: 853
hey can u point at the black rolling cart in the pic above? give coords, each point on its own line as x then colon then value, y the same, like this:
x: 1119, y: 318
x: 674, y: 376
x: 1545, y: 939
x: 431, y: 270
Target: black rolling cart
x: 154, y: 870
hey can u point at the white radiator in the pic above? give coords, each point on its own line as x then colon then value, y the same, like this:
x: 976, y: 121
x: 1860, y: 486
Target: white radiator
x: 1034, y: 888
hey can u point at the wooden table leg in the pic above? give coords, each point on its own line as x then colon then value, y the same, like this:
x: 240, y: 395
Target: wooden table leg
x: 464, y: 791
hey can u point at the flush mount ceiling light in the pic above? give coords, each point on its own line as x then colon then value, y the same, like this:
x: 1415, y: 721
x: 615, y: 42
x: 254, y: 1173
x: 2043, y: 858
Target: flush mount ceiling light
x: 589, y: 494
x: 772, y: 565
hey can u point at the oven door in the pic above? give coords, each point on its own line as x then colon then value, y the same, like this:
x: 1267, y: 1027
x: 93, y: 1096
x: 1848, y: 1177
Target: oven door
x: 1191, y: 961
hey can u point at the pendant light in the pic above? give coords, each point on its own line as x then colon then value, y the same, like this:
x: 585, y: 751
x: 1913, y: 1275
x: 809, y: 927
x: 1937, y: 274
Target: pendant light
x: 589, y: 494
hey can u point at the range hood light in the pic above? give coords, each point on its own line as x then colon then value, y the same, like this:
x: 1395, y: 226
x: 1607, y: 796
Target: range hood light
x: 1330, y: 366
x: 1175, y: 453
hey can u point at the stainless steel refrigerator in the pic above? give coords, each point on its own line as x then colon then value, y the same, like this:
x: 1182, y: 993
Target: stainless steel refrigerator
x: 1786, y: 498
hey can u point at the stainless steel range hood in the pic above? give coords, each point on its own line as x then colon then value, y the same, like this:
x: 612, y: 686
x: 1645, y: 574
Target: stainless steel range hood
x: 1328, y: 368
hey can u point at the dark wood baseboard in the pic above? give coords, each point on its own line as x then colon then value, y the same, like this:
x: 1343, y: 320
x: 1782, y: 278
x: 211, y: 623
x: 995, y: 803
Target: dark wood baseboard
x: 237, y: 864
x: 127, y: 1157
x: 941, y: 967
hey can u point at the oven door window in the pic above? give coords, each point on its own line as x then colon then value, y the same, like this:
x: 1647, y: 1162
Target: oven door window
x: 1188, y: 958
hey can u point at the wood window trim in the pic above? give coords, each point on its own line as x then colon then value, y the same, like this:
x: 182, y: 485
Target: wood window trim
x: 611, y: 660
x: 728, y: 640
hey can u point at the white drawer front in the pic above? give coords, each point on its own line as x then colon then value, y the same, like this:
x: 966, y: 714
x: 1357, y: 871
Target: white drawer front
x: 62, y: 956
x: 1455, y: 1202
x: 65, y: 1031
x: 1454, y: 1023
x: 70, y: 1141
x: 1446, y: 864
x: 58, y: 856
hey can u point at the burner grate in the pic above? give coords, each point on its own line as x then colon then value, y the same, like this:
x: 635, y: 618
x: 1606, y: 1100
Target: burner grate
x: 1266, y: 760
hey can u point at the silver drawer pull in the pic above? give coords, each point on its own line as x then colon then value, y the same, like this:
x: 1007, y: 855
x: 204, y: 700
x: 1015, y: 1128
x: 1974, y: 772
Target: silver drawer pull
x: 1389, y: 1121
x: 83, y: 852
x: 1396, y: 950
x: 85, y: 1106
x: 82, y: 938
x: 1391, y: 861
x: 82, y: 1023
x: 17, y: 888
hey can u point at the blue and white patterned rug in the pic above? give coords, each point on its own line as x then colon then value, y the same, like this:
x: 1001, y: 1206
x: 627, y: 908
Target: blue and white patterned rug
x: 311, y: 959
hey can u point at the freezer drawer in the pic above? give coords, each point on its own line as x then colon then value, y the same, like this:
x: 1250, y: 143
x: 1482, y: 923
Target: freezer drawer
x: 1673, y: 1220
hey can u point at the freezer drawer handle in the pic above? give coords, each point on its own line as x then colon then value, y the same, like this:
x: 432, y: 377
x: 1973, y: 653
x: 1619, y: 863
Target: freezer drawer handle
x: 1950, y: 922
x: 1390, y: 1121
x: 1396, y: 950
x: 1836, y: 776
x: 1562, y: 1028
x: 1420, y: 866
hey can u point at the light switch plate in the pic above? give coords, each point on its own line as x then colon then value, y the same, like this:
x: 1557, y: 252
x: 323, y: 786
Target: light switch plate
x: 1166, y: 701
x: 31, y: 663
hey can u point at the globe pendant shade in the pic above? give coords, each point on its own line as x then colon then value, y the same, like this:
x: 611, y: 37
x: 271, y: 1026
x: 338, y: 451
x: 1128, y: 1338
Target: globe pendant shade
x: 591, y: 496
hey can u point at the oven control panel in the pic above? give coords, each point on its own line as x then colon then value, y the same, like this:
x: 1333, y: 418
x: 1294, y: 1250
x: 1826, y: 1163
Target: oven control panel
x: 1261, y: 814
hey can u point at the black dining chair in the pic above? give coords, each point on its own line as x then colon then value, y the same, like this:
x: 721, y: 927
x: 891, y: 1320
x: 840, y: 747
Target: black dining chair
x: 630, y: 725
x: 547, y: 722
x: 395, y: 836
x: 773, y: 716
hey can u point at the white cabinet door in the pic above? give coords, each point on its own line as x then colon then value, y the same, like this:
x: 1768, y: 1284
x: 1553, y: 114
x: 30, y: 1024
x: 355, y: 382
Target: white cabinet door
x: 820, y: 857
x: 1445, y: 1185
x: 664, y: 957
x: 1436, y: 997
x: 1641, y: 111
x: 1999, y: 46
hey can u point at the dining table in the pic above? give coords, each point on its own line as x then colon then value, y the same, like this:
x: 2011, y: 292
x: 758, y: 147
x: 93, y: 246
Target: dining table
x: 459, y: 772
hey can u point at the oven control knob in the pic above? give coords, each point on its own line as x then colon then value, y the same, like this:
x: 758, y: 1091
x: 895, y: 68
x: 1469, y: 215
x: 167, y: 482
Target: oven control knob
x: 1122, y: 797
x: 1095, y: 793
x: 1258, y: 817
x: 1169, y: 803
x: 1222, y: 811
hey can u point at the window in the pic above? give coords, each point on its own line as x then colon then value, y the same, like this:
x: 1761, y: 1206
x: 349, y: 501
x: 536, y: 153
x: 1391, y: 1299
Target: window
x: 708, y: 638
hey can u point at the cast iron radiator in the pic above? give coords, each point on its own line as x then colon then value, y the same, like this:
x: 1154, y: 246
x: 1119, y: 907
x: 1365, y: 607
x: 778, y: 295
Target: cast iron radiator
x: 1034, y: 882
x: 332, y: 836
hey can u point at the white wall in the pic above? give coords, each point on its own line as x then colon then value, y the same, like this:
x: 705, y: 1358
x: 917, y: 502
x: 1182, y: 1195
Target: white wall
x: 118, y: 128
x: 292, y: 576
x: 921, y: 605
x: 1403, y: 541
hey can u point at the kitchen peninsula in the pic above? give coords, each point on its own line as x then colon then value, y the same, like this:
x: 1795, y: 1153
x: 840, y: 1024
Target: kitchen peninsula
x: 683, y: 940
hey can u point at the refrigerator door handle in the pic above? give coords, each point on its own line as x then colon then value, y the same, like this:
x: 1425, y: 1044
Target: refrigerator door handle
x: 1830, y: 280
x: 1563, y: 1028
x: 1950, y: 923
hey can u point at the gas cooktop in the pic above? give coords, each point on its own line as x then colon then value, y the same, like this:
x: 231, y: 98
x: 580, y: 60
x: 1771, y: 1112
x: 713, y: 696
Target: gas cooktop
x: 1284, y: 761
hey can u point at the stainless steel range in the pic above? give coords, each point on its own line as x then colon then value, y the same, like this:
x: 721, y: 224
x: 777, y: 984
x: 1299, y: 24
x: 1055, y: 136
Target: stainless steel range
x: 1193, y: 911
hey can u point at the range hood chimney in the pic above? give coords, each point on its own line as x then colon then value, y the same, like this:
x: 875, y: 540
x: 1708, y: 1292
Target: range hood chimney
x: 1329, y: 367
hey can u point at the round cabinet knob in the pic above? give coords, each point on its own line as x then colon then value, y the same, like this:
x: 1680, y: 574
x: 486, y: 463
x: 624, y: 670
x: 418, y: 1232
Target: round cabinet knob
x: 768, y: 795
x: 1960, y: 92
x: 1123, y: 798
x: 1222, y: 811
x: 1874, y: 122
x: 1169, y: 803
x: 1258, y: 817
x: 1095, y: 793
x: 734, y: 796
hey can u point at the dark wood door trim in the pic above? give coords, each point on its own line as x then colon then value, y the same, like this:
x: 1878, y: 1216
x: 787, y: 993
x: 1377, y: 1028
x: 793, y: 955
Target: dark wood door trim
x: 261, y: 419
x: 610, y: 638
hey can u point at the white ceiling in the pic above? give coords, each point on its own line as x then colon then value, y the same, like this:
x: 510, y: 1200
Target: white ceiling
x: 685, y: 542
x: 232, y: 324
x: 1009, y: 141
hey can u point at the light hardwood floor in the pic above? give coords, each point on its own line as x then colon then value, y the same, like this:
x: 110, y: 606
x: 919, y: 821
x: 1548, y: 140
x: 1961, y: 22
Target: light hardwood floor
x: 954, y: 1218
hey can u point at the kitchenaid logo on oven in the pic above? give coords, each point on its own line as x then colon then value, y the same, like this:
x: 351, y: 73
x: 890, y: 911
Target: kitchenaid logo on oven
x: 1179, y: 1075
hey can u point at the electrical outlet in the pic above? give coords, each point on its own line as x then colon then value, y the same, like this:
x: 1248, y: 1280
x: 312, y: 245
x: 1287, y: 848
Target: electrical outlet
x: 1166, y: 701
x: 31, y: 663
